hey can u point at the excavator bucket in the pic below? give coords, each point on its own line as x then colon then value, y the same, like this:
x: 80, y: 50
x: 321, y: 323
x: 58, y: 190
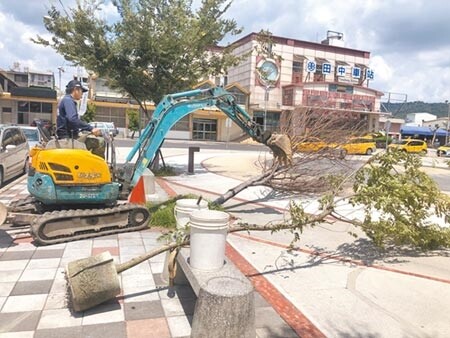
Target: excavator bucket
x: 3, y: 213
x: 281, y: 148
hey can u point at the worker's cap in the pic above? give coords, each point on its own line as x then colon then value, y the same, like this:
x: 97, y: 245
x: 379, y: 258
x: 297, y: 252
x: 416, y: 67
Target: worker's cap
x: 76, y: 84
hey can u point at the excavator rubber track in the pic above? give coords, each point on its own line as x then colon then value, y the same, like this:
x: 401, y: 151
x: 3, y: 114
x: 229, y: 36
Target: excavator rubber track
x: 71, y: 225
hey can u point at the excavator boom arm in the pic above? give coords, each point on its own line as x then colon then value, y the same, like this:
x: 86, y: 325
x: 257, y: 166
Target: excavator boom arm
x: 173, y: 108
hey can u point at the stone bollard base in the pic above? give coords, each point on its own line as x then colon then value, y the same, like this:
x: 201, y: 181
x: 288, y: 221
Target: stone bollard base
x: 224, y: 309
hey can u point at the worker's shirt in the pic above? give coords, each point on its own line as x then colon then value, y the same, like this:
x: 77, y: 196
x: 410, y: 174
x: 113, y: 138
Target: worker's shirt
x: 68, y: 123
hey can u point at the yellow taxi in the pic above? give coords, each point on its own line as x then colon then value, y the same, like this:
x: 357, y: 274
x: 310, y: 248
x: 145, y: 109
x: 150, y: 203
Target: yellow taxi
x: 410, y: 146
x: 312, y: 145
x: 360, y: 146
x: 443, y: 150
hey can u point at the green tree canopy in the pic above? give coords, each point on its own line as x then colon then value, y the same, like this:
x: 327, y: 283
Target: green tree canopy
x: 156, y: 47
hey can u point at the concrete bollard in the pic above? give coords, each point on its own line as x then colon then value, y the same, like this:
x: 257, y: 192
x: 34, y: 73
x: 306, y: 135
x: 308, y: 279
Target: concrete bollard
x: 224, y: 308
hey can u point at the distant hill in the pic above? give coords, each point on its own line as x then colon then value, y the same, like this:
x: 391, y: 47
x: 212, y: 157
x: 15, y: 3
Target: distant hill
x: 400, y: 110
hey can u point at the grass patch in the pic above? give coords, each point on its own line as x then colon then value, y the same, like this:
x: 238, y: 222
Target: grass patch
x: 165, y: 171
x: 162, y: 214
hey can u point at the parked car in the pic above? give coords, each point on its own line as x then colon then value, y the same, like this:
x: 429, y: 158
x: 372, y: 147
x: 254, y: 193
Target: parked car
x: 443, y: 150
x: 312, y: 145
x: 410, y: 146
x: 45, y: 124
x: 33, y: 135
x: 108, y: 127
x: 360, y: 146
x: 13, y: 152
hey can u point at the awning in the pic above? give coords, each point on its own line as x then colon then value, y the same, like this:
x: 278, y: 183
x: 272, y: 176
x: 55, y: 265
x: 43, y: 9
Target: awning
x: 414, y: 130
x: 341, y: 63
x: 423, y: 131
x: 321, y: 61
x: 442, y: 132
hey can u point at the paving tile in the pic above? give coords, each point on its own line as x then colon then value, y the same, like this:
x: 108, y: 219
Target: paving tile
x: 19, y: 321
x: 6, y: 288
x: 134, y: 250
x: 60, y: 246
x: 29, y: 302
x: 181, y: 291
x: 105, y: 313
x: 55, y: 318
x: 22, y: 247
x: 180, y: 326
x: 16, y: 255
x: 129, y: 235
x: 161, y: 258
x: 37, y: 274
x: 23, y: 239
x: 78, y: 245
x: 176, y: 307
x: 157, y: 267
x: 32, y: 287
x: 276, y: 332
x: 2, y: 301
x: 140, y: 269
x: 126, y: 242
x: 143, y: 310
x: 43, y: 263
x: 259, y: 300
x: 22, y: 334
x: 10, y: 276
x: 41, y: 254
x: 268, y: 317
x: 67, y: 332
x: 56, y: 301
x: 14, y: 265
x: 105, y: 243
x: 140, y: 294
x: 114, y: 251
x: 77, y: 253
x: 148, y: 328
x: 116, y: 330
x: 59, y: 286
x: 135, y: 280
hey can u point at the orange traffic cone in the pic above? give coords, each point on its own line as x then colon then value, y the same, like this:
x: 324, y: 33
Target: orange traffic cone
x: 137, y: 195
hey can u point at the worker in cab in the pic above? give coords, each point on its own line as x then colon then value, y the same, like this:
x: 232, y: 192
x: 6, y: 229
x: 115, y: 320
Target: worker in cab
x: 69, y: 125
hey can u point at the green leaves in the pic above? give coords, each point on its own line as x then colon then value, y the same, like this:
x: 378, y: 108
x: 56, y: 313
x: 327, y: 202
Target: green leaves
x: 400, y: 200
x: 155, y: 48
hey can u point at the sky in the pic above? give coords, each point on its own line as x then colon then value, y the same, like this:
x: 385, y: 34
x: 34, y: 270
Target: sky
x: 409, y: 40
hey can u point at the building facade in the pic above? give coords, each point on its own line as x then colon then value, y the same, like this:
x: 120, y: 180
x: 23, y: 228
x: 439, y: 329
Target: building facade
x: 26, y: 96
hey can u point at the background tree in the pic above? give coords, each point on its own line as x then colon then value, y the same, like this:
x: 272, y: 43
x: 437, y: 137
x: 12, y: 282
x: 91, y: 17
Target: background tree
x: 156, y: 46
x: 133, y: 121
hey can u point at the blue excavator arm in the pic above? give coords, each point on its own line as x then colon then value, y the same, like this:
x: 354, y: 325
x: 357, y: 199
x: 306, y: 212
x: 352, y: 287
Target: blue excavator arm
x: 174, y: 107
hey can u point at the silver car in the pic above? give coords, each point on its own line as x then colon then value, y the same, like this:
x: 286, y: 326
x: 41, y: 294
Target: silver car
x: 13, y: 152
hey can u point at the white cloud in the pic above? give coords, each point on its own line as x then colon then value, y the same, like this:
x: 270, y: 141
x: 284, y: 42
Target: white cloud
x: 407, y: 39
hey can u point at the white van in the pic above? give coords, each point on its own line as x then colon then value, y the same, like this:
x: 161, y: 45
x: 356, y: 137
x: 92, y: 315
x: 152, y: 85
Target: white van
x: 13, y: 152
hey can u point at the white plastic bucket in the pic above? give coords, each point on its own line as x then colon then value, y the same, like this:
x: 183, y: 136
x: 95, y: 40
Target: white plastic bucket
x: 184, y: 207
x: 209, y: 230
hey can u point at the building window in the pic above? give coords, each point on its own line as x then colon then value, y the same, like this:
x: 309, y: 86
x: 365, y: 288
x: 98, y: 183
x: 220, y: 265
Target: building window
x: 204, y: 129
x: 6, y: 110
x: 297, y: 71
x: 340, y: 88
x: 20, y: 78
x: 272, y: 122
x: 182, y: 125
x: 241, y: 98
x: 288, y: 97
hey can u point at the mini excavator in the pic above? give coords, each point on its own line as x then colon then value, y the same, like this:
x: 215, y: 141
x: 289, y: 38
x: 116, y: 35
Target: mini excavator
x: 74, y: 193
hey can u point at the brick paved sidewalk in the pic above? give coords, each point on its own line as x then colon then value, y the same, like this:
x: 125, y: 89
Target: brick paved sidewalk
x: 33, y: 288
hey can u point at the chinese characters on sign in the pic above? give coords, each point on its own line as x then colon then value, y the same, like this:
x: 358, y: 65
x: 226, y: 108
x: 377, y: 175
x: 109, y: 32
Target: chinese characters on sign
x: 326, y: 68
x: 311, y: 67
x: 357, y: 73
